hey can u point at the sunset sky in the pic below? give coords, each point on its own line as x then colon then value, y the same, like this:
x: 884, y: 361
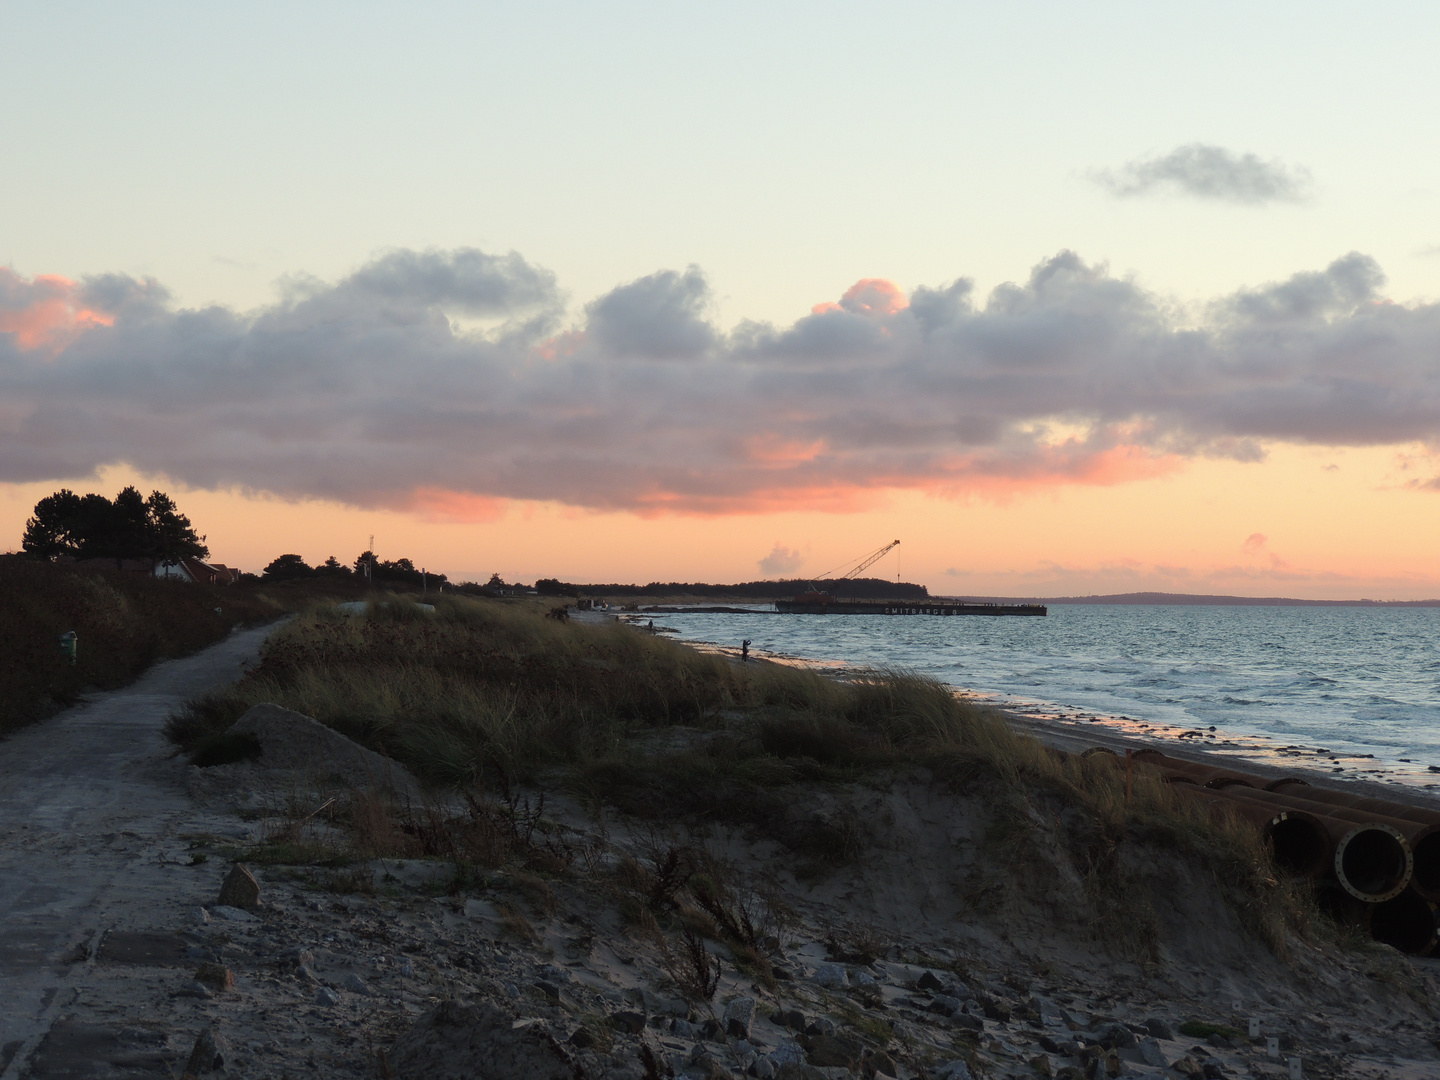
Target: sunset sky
x: 1068, y: 298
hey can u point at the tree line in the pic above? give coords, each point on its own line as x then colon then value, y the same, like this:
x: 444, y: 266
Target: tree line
x: 292, y: 567
x: 129, y: 526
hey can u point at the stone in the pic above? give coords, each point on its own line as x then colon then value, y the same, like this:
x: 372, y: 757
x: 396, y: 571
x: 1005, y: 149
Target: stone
x: 1113, y: 1035
x: 1189, y: 1068
x: 967, y: 1022
x: 739, y: 1015
x: 455, y: 1041
x: 762, y: 1068
x: 793, y: 1019
x: 1040, y: 1064
x: 928, y: 981
x: 832, y: 975
x: 799, y: 1071
x: 208, y: 1055
x: 633, y: 1023
x: 996, y: 1010
x: 215, y: 976
x: 240, y: 889
x: 952, y: 1070
x: 881, y: 1064
x: 582, y: 1038
x: 548, y: 989
x: 355, y: 984
x: 821, y: 1025
x: 199, y: 915
x: 232, y: 914
x: 836, y: 1051
x: 1158, y: 1028
x: 305, y: 974
x: 1150, y: 1053
x: 787, y: 1053
x: 326, y: 996
x: 944, y: 1005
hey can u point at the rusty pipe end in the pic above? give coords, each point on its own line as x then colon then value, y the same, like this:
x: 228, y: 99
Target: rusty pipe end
x: 1373, y: 862
x: 1425, y: 847
x: 1300, y: 843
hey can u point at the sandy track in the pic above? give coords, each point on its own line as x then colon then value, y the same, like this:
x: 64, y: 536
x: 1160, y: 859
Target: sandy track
x: 90, y: 813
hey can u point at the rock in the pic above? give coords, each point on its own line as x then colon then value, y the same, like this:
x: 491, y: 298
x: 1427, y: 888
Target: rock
x: 199, y: 915
x: 788, y: 1052
x: 799, y: 1071
x: 762, y: 1068
x: 292, y: 741
x: 827, y: 1051
x: 631, y: 1022
x: 407, y: 969
x: 881, y: 1063
x: 793, y: 1019
x: 712, y: 1030
x: 548, y: 989
x: 215, y: 976
x: 461, y: 1042
x: 863, y: 978
x: 304, y: 974
x: 1150, y: 1053
x: 232, y: 914
x: 1112, y: 1036
x: 821, y: 1025
x: 326, y: 996
x: 928, y: 981
x: 207, y: 1056
x: 952, y: 1070
x: 1040, y: 1065
x: 1213, y: 1070
x: 996, y: 1010
x: 355, y: 984
x: 1158, y: 1028
x: 967, y: 1022
x: 240, y: 889
x: 739, y: 1015
x: 1189, y: 1068
x: 944, y: 1005
x: 582, y: 1038
x: 832, y: 976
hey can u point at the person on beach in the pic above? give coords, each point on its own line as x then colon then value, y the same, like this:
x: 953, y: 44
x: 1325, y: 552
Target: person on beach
x: 745, y: 651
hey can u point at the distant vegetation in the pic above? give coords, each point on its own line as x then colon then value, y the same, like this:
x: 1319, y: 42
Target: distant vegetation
x: 378, y: 572
x: 128, y: 527
x: 123, y: 621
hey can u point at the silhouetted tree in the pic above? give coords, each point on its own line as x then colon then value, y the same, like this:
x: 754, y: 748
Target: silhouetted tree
x: 94, y: 527
x: 287, y: 568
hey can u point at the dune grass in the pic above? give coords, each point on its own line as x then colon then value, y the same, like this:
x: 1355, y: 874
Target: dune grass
x: 482, y: 692
x: 124, y: 622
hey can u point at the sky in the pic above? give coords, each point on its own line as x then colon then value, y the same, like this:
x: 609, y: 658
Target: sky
x: 1068, y: 298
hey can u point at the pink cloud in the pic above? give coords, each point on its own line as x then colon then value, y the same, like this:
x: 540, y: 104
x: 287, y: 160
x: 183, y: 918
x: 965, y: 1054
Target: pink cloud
x: 45, y: 312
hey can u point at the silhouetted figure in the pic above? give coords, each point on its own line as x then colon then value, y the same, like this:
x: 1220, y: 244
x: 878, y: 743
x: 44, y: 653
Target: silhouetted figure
x: 745, y: 651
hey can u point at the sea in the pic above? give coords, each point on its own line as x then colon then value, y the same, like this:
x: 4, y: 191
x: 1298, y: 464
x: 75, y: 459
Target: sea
x: 1355, y: 690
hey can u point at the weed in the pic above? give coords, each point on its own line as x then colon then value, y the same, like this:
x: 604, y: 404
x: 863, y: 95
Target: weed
x: 695, y: 972
x: 1200, y: 1029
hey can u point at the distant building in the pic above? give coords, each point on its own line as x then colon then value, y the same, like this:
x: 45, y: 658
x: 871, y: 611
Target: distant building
x: 197, y: 572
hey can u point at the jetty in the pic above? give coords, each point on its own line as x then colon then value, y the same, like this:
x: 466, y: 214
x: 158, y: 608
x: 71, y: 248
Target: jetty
x: 825, y: 605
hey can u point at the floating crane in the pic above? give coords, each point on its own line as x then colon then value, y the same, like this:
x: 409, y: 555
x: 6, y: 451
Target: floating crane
x: 819, y: 595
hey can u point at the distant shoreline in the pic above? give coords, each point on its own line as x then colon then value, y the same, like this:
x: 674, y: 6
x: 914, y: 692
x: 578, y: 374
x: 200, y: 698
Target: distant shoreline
x: 1196, y: 600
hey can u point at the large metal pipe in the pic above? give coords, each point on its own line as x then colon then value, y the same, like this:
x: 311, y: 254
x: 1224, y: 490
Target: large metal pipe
x: 1423, y: 841
x: 1406, y: 921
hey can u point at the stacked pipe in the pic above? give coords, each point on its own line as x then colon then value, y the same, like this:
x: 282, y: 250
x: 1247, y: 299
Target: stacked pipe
x: 1375, y: 861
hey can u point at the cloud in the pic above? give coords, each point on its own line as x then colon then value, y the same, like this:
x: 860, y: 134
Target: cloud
x: 1209, y: 172
x: 1255, y: 543
x: 381, y: 390
x: 781, y: 561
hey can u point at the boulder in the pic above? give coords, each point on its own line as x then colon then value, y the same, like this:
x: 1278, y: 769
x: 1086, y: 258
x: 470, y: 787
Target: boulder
x: 240, y: 889
x: 293, y: 741
x: 739, y: 1015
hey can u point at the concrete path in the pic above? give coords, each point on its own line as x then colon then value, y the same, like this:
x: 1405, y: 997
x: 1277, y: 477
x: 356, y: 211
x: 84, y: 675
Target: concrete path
x: 92, y: 819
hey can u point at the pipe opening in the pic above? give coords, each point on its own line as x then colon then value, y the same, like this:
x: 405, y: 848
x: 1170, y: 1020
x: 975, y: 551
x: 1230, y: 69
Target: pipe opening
x: 1427, y: 864
x: 1373, y: 862
x: 1221, y: 782
x: 1406, y: 921
x: 1276, y: 785
x: 1299, y: 846
x: 1180, y: 778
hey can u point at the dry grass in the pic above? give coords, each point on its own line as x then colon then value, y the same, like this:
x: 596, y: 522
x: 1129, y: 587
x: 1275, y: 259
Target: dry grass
x: 483, y: 693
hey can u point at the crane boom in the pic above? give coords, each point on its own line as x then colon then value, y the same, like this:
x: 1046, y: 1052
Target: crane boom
x: 871, y: 559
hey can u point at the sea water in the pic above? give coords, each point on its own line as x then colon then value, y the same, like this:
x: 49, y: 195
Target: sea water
x: 1341, y: 682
